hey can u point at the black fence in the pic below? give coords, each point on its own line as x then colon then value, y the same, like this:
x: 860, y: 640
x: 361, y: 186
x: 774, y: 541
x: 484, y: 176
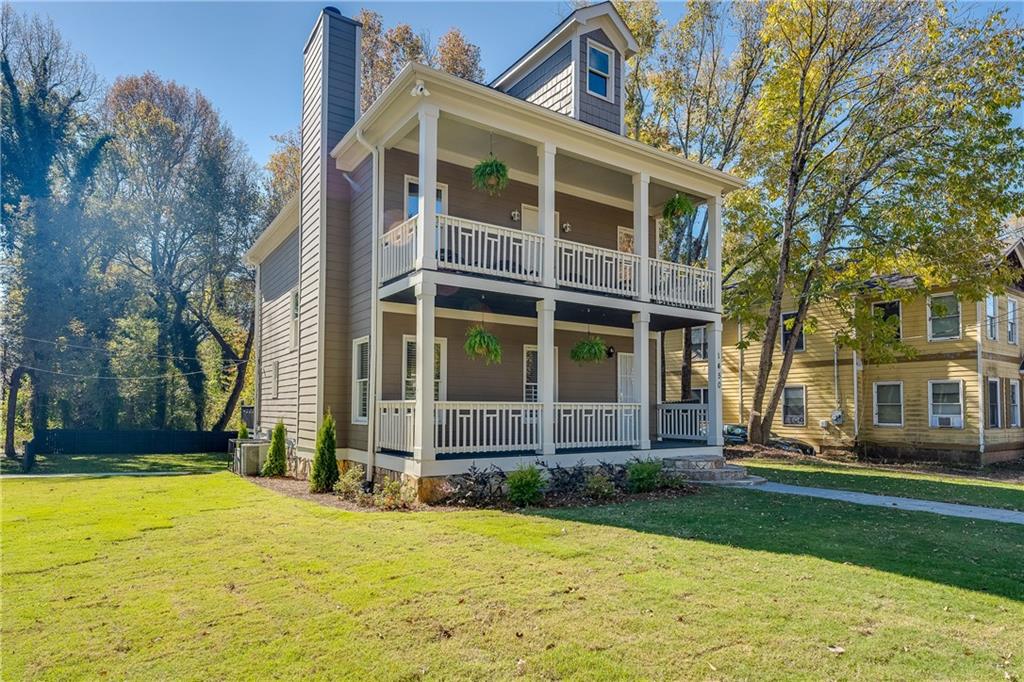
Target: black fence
x: 86, y: 442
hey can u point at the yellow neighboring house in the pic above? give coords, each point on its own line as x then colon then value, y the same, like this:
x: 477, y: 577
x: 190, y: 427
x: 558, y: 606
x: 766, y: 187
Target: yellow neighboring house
x: 959, y: 399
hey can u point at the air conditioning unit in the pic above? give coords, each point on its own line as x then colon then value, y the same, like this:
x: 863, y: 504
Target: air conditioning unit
x: 947, y: 422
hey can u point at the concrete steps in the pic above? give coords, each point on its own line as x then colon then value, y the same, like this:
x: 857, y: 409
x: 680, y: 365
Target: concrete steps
x: 709, y: 469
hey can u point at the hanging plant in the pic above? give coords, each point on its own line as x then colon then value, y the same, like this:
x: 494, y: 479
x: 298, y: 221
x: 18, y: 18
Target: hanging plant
x: 589, y: 349
x: 490, y: 175
x: 678, y: 206
x: 482, y: 345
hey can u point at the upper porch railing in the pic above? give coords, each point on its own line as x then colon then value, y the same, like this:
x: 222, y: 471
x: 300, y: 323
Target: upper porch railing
x: 471, y: 246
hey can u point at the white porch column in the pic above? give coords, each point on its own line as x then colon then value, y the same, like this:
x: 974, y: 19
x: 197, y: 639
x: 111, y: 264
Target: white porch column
x: 642, y: 373
x: 423, y: 432
x: 642, y: 229
x: 425, y: 223
x: 546, y: 372
x: 714, y: 208
x: 713, y: 333
x: 546, y: 210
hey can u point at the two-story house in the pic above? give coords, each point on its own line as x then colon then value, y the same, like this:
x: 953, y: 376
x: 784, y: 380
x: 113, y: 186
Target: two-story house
x: 957, y: 398
x: 388, y: 249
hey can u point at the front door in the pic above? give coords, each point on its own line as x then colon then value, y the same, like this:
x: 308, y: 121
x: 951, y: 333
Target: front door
x: 531, y: 219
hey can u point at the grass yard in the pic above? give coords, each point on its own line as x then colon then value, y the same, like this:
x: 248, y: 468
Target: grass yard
x: 205, y: 462
x: 868, y: 479
x: 212, y: 577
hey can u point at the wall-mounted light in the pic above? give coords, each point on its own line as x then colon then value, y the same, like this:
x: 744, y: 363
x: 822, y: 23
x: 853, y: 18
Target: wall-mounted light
x: 515, y: 215
x: 566, y: 227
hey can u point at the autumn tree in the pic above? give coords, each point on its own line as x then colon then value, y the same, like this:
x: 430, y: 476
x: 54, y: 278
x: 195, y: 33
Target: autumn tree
x: 457, y: 56
x: 284, y: 171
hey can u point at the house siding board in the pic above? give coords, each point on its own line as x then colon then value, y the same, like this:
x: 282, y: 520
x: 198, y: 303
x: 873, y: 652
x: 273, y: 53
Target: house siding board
x: 550, y: 83
x: 595, y: 110
x: 279, y: 276
x: 360, y: 290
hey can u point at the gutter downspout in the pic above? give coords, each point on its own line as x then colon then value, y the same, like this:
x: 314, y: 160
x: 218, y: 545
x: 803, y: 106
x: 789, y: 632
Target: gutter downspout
x: 739, y: 336
x: 982, y: 388
x: 856, y: 399
x: 258, y: 355
x: 371, y: 417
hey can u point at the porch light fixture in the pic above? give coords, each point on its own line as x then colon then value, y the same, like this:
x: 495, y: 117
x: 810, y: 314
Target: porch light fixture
x: 566, y: 227
x: 515, y: 215
x: 610, y: 352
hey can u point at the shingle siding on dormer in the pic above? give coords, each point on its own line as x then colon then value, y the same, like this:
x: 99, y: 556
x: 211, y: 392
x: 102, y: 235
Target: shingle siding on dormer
x: 550, y: 83
x: 596, y: 110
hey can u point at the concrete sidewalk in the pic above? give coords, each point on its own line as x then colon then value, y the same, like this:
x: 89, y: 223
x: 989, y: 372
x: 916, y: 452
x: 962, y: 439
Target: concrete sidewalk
x: 905, y: 503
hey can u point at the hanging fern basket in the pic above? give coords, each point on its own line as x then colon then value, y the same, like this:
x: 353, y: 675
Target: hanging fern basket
x: 678, y: 206
x: 490, y: 175
x: 590, y: 349
x: 482, y: 345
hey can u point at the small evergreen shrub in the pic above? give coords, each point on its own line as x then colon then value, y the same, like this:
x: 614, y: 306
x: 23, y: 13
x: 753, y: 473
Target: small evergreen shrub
x: 643, y: 475
x: 275, y: 463
x: 243, y: 431
x: 350, y: 483
x: 525, y: 486
x: 599, y: 487
x: 392, y: 495
x: 324, y: 472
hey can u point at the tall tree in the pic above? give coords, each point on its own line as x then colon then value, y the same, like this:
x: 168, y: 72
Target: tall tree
x: 458, y: 56
x: 283, y: 171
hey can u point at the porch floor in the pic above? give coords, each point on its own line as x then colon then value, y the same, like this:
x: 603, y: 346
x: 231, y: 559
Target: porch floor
x: 655, y: 445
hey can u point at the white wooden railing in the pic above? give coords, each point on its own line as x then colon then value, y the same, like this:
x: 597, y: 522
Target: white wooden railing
x: 395, y: 428
x: 593, y: 268
x: 682, y: 285
x: 683, y: 420
x: 583, y: 425
x: 397, y: 254
x: 462, y: 427
x: 472, y: 246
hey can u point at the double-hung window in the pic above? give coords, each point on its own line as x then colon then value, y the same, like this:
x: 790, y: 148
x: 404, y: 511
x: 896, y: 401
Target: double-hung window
x: 698, y: 343
x: 361, y: 380
x: 787, y: 331
x: 994, y: 417
x: 600, y: 75
x: 943, y: 317
x: 794, y: 407
x: 412, y: 197
x: 531, y: 374
x: 889, y: 312
x: 409, y: 368
x: 1014, y: 412
x: 992, y: 316
x: 945, y: 404
x: 1011, y: 321
x: 889, y: 403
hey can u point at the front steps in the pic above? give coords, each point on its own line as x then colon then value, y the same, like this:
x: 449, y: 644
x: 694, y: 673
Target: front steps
x: 709, y: 469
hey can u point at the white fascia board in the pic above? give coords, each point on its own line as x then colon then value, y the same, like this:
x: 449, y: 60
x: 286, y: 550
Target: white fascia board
x: 276, y: 232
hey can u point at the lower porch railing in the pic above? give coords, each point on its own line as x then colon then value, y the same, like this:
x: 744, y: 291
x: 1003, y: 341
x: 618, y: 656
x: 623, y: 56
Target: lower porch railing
x: 395, y: 424
x: 463, y: 427
x: 683, y: 420
x: 583, y: 425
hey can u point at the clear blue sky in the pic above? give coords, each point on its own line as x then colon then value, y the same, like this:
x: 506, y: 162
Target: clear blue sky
x: 246, y: 57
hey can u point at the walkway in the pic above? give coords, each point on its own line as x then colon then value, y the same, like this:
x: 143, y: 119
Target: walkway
x: 905, y: 503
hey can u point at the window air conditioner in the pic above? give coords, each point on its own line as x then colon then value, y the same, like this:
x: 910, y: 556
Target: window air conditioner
x: 948, y: 422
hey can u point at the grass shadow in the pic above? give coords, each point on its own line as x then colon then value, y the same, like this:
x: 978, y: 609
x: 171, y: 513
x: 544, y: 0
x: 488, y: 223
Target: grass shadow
x: 981, y: 556
x: 203, y: 462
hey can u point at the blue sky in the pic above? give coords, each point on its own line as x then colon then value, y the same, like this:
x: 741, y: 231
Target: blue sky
x: 246, y: 57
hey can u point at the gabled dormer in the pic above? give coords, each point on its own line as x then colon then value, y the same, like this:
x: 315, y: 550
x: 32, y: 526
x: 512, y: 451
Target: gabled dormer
x: 577, y: 68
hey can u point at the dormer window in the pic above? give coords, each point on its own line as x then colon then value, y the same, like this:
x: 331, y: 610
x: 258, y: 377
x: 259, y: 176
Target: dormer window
x: 600, y: 80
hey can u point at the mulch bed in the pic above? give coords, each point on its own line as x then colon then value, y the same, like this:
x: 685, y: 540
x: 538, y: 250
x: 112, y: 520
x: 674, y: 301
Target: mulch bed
x: 293, y: 487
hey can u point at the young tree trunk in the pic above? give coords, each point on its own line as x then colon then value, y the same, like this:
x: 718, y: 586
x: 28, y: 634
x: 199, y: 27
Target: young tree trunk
x: 239, y: 383
x: 17, y: 375
x: 161, y: 385
x: 686, y: 367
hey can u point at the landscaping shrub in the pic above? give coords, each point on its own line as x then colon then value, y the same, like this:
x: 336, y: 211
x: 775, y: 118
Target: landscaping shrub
x: 525, y: 486
x: 392, y: 495
x: 566, y: 481
x: 616, y: 474
x: 275, y: 464
x: 324, y: 472
x: 643, y: 475
x: 599, y: 487
x: 477, y: 487
x: 243, y: 431
x: 350, y: 483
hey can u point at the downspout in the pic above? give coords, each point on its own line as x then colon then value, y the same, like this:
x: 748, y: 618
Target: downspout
x: 982, y: 388
x: 258, y: 354
x: 371, y: 417
x: 739, y: 335
x: 856, y: 399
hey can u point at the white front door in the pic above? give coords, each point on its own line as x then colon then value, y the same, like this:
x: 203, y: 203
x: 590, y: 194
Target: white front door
x: 627, y: 382
x: 531, y: 219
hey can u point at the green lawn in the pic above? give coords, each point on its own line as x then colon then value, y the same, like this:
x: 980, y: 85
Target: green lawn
x: 867, y: 479
x: 205, y: 462
x: 212, y: 577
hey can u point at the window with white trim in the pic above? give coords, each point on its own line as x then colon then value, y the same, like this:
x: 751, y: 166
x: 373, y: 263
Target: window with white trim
x: 1011, y: 321
x: 409, y: 368
x: 531, y: 374
x: 994, y: 415
x: 887, y: 310
x: 361, y: 380
x: 794, y: 406
x: 943, y: 317
x: 295, y: 319
x: 888, y: 403
x: 992, y: 316
x: 698, y: 343
x: 945, y: 404
x: 699, y: 395
x: 787, y: 331
x: 600, y: 75
x: 412, y: 197
x: 1015, y: 398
